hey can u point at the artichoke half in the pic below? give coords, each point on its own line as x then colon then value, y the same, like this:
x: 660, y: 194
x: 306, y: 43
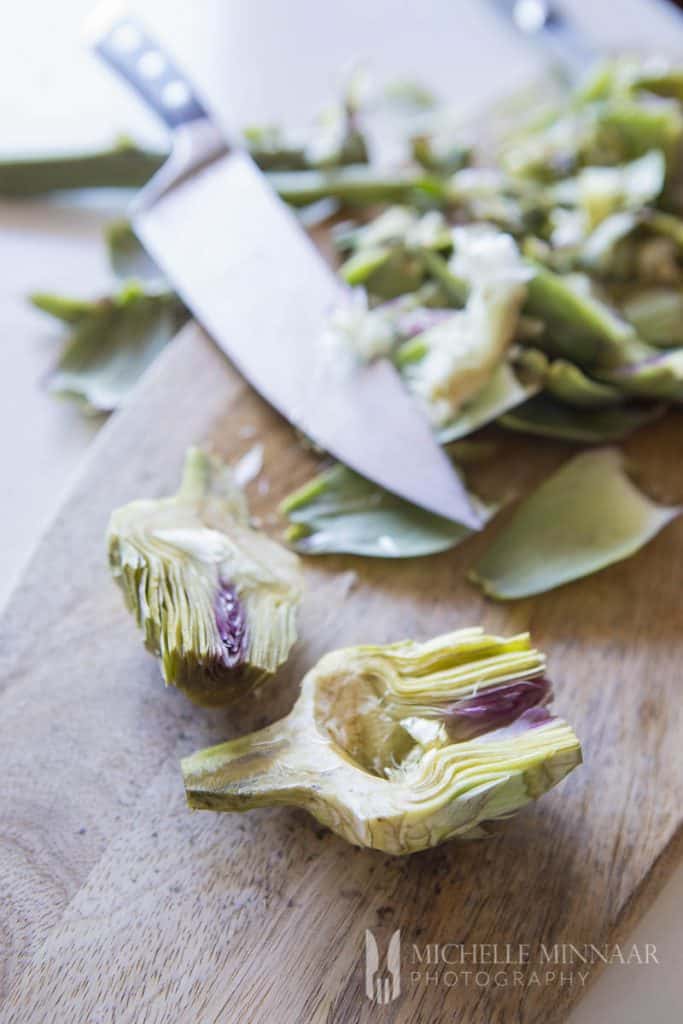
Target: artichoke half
x: 216, y: 599
x: 401, y: 747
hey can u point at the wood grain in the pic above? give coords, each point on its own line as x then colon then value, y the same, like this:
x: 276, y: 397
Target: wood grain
x: 120, y: 905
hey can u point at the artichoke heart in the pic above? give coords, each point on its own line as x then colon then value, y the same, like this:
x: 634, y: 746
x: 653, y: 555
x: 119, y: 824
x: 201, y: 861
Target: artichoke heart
x: 216, y: 599
x: 399, y: 748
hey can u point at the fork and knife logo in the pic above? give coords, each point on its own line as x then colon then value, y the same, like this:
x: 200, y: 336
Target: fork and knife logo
x: 383, y: 986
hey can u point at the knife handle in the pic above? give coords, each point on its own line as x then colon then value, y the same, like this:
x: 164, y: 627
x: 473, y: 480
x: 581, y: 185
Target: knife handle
x: 549, y: 25
x: 124, y: 43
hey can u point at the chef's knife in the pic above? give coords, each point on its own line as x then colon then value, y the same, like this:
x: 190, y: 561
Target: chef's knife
x: 254, y: 280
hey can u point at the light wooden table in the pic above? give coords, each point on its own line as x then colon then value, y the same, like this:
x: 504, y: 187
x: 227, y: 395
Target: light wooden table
x: 255, y: 60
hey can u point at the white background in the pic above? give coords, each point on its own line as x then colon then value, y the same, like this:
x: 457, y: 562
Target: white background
x: 255, y: 60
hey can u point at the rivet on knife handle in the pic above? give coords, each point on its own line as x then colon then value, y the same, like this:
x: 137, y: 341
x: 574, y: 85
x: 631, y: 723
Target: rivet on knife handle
x: 125, y: 44
x: 550, y: 26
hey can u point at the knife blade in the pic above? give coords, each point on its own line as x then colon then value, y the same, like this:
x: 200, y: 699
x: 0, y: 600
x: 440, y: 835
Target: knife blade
x: 253, y: 278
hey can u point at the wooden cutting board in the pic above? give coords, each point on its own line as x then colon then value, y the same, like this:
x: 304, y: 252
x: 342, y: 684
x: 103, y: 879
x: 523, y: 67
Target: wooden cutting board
x: 118, y: 904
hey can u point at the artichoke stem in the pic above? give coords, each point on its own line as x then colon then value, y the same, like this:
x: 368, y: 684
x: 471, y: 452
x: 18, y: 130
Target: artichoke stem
x: 251, y: 771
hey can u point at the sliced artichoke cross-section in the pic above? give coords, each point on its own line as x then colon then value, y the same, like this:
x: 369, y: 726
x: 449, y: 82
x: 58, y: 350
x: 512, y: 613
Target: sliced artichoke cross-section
x: 216, y: 599
x: 401, y: 747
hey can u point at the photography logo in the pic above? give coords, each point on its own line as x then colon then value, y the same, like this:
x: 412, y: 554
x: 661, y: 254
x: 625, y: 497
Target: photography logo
x: 383, y: 986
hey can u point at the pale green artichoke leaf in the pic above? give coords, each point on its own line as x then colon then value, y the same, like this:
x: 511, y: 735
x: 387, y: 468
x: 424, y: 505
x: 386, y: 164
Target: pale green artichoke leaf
x: 372, y: 331
x: 385, y: 271
x: 215, y: 599
x: 505, y: 390
x: 660, y: 376
x: 404, y: 746
x: 386, y: 254
x: 571, y: 385
x: 399, y: 226
x: 603, y: 190
x: 657, y: 315
x: 635, y: 126
x: 455, y: 288
x: 602, y: 251
x: 579, y: 326
x: 643, y: 245
x: 406, y: 94
x: 340, y: 512
x: 439, y: 148
x: 362, y: 264
x: 462, y: 352
x: 668, y: 225
x: 583, y: 518
x: 67, y: 309
x: 659, y: 78
x: 611, y: 129
x: 111, y: 347
x: 543, y: 416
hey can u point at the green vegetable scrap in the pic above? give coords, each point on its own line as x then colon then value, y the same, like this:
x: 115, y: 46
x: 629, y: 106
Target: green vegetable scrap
x: 583, y: 518
x: 114, y: 339
x: 340, y: 512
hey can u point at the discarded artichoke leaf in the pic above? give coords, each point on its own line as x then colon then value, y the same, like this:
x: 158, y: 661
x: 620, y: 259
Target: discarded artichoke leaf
x: 660, y: 376
x: 571, y: 385
x: 402, y: 747
x: 583, y: 518
x: 362, y: 264
x: 543, y: 416
x: 504, y: 391
x: 377, y: 331
x: 113, y: 342
x: 270, y: 148
x: 662, y: 80
x: 602, y: 252
x: 386, y: 254
x: 399, y: 225
x: 122, y: 165
x: 339, y: 512
x: 440, y: 152
x: 603, y: 191
x: 408, y: 94
x: 67, y: 309
x: 610, y: 125
x: 464, y: 350
x: 402, y: 271
x: 216, y: 599
x: 627, y: 76
x: 128, y: 258
x: 665, y: 224
x: 357, y: 185
x: 454, y: 287
x: 579, y: 327
x: 337, y: 138
x: 632, y: 127
x: 657, y: 315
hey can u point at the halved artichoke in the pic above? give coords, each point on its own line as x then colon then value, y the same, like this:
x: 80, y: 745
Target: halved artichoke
x: 401, y: 747
x: 216, y: 599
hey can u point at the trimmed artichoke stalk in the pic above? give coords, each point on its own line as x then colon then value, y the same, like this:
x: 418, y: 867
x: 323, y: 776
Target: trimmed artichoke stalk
x: 216, y: 599
x: 401, y: 747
